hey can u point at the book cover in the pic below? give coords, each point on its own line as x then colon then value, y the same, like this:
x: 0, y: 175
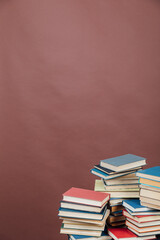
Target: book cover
x: 121, y: 161
x: 135, y: 206
x: 150, y: 173
x: 121, y: 233
x: 80, y: 193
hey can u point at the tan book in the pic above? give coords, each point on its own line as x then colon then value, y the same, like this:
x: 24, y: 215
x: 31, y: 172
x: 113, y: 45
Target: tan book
x: 150, y: 205
x: 150, y: 200
x: 80, y: 232
x: 156, y: 189
x: 97, y: 222
x: 149, y: 182
x: 99, y: 186
x: 83, y: 226
x: 148, y: 193
x: 143, y: 229
x: 144, y: 224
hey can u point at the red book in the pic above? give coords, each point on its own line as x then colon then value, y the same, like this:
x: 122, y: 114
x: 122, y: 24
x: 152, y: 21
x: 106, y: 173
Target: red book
x: 84, y: 196
x: 121, y: 233
x: 141, y: 218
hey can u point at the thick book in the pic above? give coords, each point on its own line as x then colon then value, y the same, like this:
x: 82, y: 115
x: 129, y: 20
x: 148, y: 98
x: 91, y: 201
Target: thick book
x: 152, y: 194
x: 121, y: 234
x: 148, y: 235
x: 80, y: 232
x: 151, y: 212
x: 104, y: 236
x: 151, y: 205
x: 83, y: 226
x: 135, y: 206
x: 64, y: 212
x: 126, y: 234
x: 89, y: 221
x: 143, y: 229
x: 144, y: 224
x: 141, y: 218
x: 99, y: 187
x: 150, y: 173
x: 149, y: 182
x: 81, y: 207
x: 121, y: 181
x: 84, y: 196
x: 124, y: 162
x: 150, y: 201
x: 149, y: 187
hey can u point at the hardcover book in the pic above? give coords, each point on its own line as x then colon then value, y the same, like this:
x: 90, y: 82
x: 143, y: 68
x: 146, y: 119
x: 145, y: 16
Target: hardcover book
x: 124, y: 162
x: 84, y: 196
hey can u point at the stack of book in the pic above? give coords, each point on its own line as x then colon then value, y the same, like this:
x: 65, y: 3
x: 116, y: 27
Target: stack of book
x: 141, y: 220
x: 84, y: 213
x: 149, y: 180
x: 118, y: 178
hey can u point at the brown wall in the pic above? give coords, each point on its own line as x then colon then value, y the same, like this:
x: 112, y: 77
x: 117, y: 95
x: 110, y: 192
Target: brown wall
x: 79, y: 82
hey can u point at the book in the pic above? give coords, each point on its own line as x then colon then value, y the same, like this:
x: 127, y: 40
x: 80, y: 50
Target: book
x: 144, y: 224
x: 150, y: 173
x: 141, y: 218
x: 149, y: 182
x: 83, y: 226
x: 121, y: 234
x: 112, y: 219
x: 84, y: 196
x: 135, y: 206
x: 151, y: 212
x: 90, y: 221
x: 117, y: 224
x: 150, y: 201
x: 143, y: 229
x: 82, y: 207
x: 130, y: 172
x: 156, y: 189
x: 116, y: 208
x: 130, y: 188
x: 104, y: 236
x: 147, y: 234
x: 104, y: 175
x: 64, y: 212
x: 124, y: 162
x: 121, y: 181
x: 80, y: 232
x: 99, y: 187
x: 147, y: 193
x: 150, y: 205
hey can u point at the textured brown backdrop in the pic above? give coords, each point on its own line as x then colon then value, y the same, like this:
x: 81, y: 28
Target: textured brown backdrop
x: 79, y: 82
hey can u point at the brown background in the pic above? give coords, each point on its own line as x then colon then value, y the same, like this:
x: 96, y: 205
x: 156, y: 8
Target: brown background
x: 79, y: 82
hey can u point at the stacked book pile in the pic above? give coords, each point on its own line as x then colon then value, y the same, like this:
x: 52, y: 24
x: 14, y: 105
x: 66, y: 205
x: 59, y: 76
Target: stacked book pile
x: 141, y: 220
x: 118, y: 178
x: 149, y: 180
x: 84, y: 213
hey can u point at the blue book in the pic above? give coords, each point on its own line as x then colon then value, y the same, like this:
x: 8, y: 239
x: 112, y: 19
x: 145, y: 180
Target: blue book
x: 104, y: 236
x: 106, y: 176
x: 65, y: 212
x: 124, y: 162
x: 134, y: 205
x: 150, y: 173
